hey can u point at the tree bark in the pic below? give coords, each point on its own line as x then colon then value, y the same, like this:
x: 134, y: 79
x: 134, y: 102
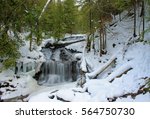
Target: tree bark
x: 30, y: 47
x: 143, y: 9
x: 134, y: 34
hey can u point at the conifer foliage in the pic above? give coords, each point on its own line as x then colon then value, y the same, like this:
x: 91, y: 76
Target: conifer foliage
x: 59, y: 18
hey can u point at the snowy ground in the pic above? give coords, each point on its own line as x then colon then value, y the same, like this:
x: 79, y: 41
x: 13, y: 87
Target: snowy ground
x: 108, y: 86
x: 102, y: 89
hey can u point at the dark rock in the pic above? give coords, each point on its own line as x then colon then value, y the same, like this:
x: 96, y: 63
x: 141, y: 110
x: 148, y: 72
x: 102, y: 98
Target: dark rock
x: 10, y: 80
x: 8, y: 90
x: 17, y: 77
x: 37, y: 75
x: 114, y: 45
x: 12, y: 86
x: 5, y: 84
x: 51, y: 97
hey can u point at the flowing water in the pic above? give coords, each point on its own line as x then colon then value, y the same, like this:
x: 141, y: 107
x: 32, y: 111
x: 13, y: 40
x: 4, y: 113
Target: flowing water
x: 56, y: 72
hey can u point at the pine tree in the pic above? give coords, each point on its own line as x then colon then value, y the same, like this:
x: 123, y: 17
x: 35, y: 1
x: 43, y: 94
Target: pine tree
x: 33, y: 9
x: 70, y: 16
x: 58, y: 25
x: 16, y: 16
x: 143, y: 18
x: 11, y: 23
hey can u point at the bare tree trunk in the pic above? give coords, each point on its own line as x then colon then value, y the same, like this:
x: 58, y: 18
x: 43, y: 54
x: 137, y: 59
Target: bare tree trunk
x: 101, y: 38
x: 92, y: 45
x: 134, y: 33
x: 38, y: 34
x: 90, y: 28
x: 105, y: 38
x: 30, y: 47
x: 142, y: 14
x: 143, y: 7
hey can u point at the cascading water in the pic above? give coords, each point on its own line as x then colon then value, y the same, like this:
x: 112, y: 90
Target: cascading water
x: 54, y: 71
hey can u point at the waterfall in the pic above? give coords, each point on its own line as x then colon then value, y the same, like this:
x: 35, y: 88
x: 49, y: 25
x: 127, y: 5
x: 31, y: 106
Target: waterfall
x: 59, y: 67
x: 53, y: 72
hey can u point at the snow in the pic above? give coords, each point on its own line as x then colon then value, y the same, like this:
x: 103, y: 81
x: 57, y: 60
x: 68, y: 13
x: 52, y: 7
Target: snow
x: 45, y: 41
x: 67, y: 92
x: 119, y: 71
x: 99, y: 70
x: 83, y: 62
x: 139, y: 98
x: 74, y: 37
x: 77, y: 46
x: 17, y: 86
x: 34, y: 54
x: 131, y: 82
x: 121, y: 46
x: 42, y: 97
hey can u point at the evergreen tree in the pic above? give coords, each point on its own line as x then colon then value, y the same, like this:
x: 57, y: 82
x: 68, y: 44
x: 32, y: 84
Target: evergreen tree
x: 16, y: 16
x: 58, y: 24
x: 11, y: 21
x: 70, y: 13
x: 32, y: 23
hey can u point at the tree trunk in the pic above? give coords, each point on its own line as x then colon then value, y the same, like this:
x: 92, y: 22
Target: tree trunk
x: 90, y: 28
x: 143, y: 7
x: 38, y: 33
x: 30, y: 47
x: 88, y: 43
x: 101, y: 38
x: 61, y: 44
x: 134, y: 34
x: 119, y: 72
x: 104, y: 40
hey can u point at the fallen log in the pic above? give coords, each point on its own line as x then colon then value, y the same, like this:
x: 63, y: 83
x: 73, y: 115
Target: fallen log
x: 61, y: 44
x: 119, y: 72
x: 125, y: 72
x: 95, y: 73
x: 142, y: 90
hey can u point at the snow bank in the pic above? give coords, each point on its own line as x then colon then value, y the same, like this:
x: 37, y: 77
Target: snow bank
x: 16, y: 86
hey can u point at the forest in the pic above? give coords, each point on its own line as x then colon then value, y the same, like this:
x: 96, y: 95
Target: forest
x: 74, y: 50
